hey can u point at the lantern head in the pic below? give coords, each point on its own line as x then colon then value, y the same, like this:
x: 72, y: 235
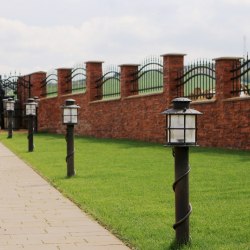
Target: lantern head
x: 70, y: 112
x: 181, y: 124
x: 30, y: 107
x: 10, y: 104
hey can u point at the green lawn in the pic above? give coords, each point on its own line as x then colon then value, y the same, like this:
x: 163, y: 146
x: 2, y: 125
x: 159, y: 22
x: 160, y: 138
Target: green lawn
x: 127, y: 186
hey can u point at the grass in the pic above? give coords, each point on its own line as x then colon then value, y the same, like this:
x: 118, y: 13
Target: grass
x: 127, y: 187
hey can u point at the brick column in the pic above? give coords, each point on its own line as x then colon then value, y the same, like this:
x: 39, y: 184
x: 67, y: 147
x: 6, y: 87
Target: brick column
x: 172, y: 65
x: 36, y: 83
x: 93, y: 73
x: 129, y: 81
x: 224, y: 84
x: 64, y: 81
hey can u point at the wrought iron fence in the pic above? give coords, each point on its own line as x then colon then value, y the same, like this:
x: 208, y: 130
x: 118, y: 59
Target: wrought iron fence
x: 51, y: 83
x: 78, y: 78
x: 10, y: 87
x: 241, y: 78
x: 197, y: 81
x: 108, y: 86
x: 9, y: 84
x: 149, y: 77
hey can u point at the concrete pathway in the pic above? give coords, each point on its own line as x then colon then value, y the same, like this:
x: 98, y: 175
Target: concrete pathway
x: 34, y: 215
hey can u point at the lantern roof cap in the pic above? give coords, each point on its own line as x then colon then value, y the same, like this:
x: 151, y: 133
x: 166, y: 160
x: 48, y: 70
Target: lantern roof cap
x: 10, y: 99
x: 181, y: 103
x: 184, y: 111
x: 70, y: 103
x: 181, y: 107
x: 30, y: 100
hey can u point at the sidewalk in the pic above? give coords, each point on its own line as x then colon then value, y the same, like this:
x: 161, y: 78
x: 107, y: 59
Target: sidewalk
x: 34, y: 215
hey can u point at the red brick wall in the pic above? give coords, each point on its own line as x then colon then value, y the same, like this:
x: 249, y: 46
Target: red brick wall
x: 225, y: 121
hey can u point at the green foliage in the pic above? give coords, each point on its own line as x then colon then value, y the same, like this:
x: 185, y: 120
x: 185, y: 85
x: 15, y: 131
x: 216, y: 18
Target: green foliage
x: 127, y: 187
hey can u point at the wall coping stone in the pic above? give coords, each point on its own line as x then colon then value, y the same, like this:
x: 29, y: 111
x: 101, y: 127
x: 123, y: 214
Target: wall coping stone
x: 128, y: 64
x: 203, y: 102
x: 94, y: 62
x: 64, y: 68
x: 106, y: 100
x: 174, y: 54
x: 227, y: 58
x: 238, y: 98
x: 140, y: 96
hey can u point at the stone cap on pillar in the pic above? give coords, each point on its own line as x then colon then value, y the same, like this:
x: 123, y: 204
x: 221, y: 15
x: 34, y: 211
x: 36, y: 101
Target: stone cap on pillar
x: 227, y: 58
x: 128, y: 64
x: 94, y: 62
x: 63, y: 68
x: 33, y: 73
x: 174, y: 54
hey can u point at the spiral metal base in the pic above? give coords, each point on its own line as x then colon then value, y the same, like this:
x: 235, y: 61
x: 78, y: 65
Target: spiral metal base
x: 181, y: 188
x: 70, y: 150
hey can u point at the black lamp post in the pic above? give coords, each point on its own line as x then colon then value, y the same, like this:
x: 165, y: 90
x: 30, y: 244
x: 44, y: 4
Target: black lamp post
x: 69, y: 118
x: 10, y: 106
x: 36, y: 100
x: 31, y: 113
x: 181, y: 132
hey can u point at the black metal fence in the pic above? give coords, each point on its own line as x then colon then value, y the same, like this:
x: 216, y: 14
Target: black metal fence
x: 241, y: 78
x: 197, y: 81
x: 108, y: 86
x: 149, y: 78
x: 78, y: 78
x: 9, y: 84
x: 51, y: 83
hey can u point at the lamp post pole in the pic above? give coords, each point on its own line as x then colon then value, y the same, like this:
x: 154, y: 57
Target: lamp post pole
x: 70, y: 150
x: 70, y: 119
x: 31, y: 113
x: 181, y: 188
x: 10, y: 109
x: 30, y: 133
x: 181, y: 133
x: 10, y: 119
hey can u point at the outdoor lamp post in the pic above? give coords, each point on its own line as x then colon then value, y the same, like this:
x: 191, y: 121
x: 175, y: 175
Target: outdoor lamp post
x: 10, y: 106
x: 36, y: 100
x: 31, y: 113
x: 181, y: 132
x: 69, y: 118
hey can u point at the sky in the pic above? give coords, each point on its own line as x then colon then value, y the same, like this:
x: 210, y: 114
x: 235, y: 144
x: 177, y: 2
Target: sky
x: 40, y: 35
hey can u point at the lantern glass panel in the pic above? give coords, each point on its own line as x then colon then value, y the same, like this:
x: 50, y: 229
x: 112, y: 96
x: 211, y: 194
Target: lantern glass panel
x: 30, y: 109
x: 70, y: 115
x: 176, y: 128
x: 181, y: 129
x: 190, y: 129
x: 66, y: 115
x: 10, y: 106
x: 74, y: 115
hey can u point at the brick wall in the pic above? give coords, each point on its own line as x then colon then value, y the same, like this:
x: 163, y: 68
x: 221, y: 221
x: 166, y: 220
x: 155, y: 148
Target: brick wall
x: 225, y: 121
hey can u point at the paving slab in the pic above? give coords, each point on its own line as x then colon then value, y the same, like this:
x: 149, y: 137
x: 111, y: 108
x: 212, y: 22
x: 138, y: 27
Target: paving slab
x: 34, y: 215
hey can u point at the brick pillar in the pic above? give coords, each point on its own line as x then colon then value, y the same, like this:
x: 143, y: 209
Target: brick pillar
x: 36, y: 83
x: 93, y: 73
x: 172, y: 65
x: 129, y: 81
x: 64, y: 81
x: 224, y: 84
